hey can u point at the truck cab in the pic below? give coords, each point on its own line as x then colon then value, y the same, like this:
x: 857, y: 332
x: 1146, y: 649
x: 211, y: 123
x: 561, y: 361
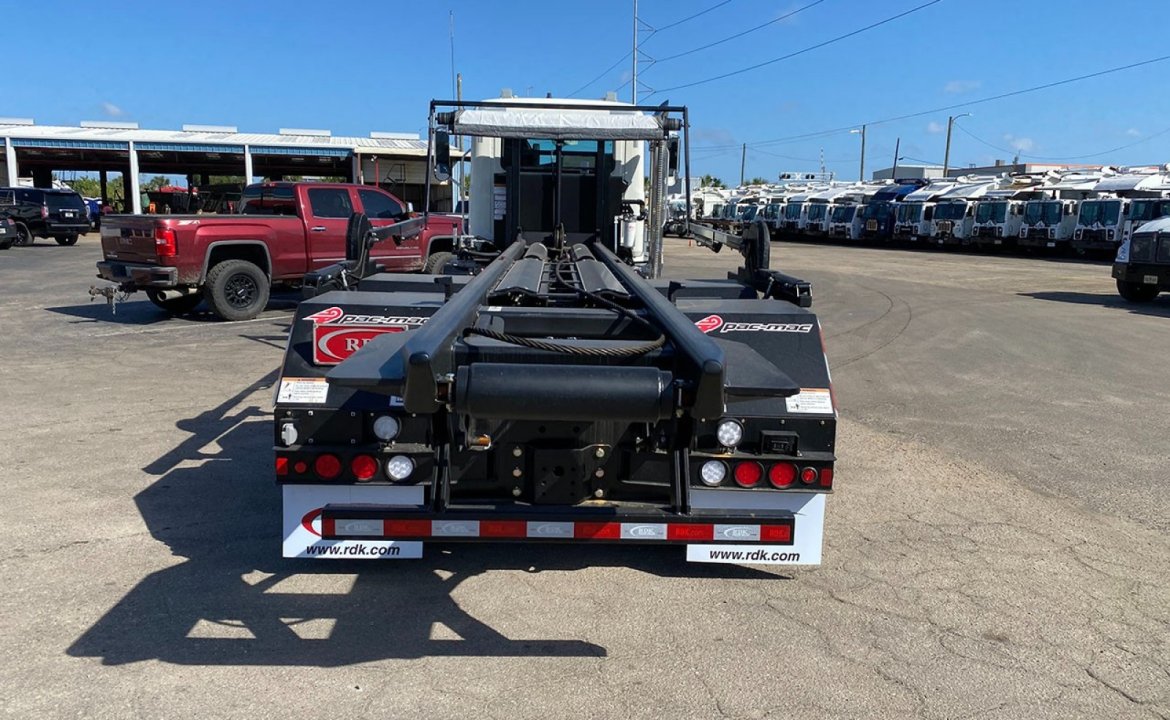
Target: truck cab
x: 914, y: 212
x: 954, y: 212
x: 879, y: 214
x: 1104, y: 222
x: 1142, y: 265
x: 1049, y: 222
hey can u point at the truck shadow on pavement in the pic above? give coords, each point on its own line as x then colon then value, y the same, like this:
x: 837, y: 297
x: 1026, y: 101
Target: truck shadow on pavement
x: 235, y: 601
x: 1160, y: 307
x: 143, y: 312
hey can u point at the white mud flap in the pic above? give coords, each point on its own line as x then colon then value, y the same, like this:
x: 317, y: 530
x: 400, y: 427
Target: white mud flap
x: 302, y: 522
x: 808, y: 535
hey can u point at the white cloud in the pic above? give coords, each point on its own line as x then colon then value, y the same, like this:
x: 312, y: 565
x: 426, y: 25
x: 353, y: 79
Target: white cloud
x: 1133, y: 132
x: 112, y: 110
x: 1019, y: 144
x: 934, y: 128
x: 956, y: 87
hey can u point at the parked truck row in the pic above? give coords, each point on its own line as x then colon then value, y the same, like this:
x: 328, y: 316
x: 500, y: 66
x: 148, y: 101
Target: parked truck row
x: 1074, y: 211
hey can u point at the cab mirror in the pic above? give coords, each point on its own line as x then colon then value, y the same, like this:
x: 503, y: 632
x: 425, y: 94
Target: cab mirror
x: 442, y: 156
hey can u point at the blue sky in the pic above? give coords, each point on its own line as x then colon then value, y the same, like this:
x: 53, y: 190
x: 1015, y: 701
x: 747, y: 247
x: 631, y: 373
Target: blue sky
x: 353, y: 67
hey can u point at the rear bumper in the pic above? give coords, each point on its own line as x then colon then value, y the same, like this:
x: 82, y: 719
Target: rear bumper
x: 357, y: 522
x: 65, y: 229
x: 138, y: 275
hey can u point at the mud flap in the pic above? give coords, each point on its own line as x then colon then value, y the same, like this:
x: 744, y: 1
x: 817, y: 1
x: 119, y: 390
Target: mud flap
x: 807, y: 537
x: 301, y: 523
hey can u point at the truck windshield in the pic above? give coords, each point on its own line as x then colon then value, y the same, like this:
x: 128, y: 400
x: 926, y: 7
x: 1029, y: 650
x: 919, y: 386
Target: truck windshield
x: 1046, y: 211
x: 909, y: 212
x: 730, y: 211
x: 875, y: 211
x: 990, y: 212
x: 792, y: 211
x: 750, y: 213
x: 1145, y: 210
x: 1150, y: 247
x: 950, y: 211
x: 816, y: 211
x: 772, y: 211
x: 842, y: 213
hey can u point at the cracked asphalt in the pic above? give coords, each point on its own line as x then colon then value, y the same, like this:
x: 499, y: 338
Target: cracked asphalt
x: 996, y: 548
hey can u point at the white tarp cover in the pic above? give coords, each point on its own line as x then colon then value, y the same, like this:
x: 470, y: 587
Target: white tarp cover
x: 552, y: 124
x: 1121, y: 183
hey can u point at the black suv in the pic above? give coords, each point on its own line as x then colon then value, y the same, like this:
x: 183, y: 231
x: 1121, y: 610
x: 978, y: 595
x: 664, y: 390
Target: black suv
x: 41, y: 212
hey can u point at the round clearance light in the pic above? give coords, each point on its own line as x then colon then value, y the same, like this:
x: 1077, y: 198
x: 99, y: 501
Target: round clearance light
x: 713, y: 473
x: 386, y: 428
x: 364, y: 467
x: 327, y: 467
x: 808, y: 475
x: 729, y: 433
x: 748, y: 474
x: 782, y: 475
x: 399, y: 467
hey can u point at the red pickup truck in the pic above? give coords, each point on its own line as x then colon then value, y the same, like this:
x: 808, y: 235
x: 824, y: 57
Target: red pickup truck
x: 281, y: 231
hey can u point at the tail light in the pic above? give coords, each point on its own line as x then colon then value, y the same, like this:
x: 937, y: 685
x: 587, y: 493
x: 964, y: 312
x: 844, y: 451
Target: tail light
x: 782, y: 475
x: 44, y: 211
x: 364, y: 467
x: 808, y: 475
x: 164, y: 242
x: 827, y: 477
x: 748, y: 474
x: 281, y: 465
x: 327, y: 466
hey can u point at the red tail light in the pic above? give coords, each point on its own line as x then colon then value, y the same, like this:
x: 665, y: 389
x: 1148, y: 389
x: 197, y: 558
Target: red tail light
x: 827, y: 477
x: 300, y: 467
x: 164, y: 242
x: 327, y: 467
x: 808, y: 475
x: 44, y: 211
x: 748, y: 474
x: 782, y: 475
x: 364, y: 467
x: 281, y: 466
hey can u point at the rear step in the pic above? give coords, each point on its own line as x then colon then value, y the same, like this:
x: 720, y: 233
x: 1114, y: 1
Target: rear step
x: 601, y: 524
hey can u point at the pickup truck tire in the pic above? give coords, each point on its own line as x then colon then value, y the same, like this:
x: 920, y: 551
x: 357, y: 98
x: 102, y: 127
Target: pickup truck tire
x: 436, y: 262
x: 1136, y: 292
x: 175, y: 306
x: 23, y: 236
x: 236, y: 290
x: 5, y: 244
x: 67, y: 240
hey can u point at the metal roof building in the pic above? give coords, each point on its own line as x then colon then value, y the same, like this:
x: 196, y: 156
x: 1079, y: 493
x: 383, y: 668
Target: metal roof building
x: 395, y: 161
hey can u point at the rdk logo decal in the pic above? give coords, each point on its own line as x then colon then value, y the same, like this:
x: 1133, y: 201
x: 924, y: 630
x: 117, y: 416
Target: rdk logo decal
x: 709, y: 323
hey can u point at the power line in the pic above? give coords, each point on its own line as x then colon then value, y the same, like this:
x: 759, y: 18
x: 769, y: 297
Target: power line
x: 969, y: 103
x: 653, y: 31
x: 1110, y: 151
x: 804, y: 50
x: 692, y: 17
x: 604, y: 72
x: 741, y: 34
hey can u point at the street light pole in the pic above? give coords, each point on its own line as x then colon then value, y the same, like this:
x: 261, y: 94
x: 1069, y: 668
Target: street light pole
x: 894, y: 173
x: 947, y: 154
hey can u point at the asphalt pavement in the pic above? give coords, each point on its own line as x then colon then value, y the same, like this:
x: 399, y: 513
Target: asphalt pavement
x: 996, y: 545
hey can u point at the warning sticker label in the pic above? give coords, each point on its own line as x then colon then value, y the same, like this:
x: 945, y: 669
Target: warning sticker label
x: 816, y: 401
x: 307, y: 391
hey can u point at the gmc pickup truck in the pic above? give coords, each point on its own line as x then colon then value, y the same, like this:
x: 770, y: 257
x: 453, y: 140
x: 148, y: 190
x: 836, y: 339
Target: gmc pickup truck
x: 282, y: 231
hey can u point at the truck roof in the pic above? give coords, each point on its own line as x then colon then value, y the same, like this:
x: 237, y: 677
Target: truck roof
x: 1132, y: 182
x: 1162, y: 224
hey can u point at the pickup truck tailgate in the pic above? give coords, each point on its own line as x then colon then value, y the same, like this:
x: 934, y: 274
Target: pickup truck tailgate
x: 130, y: 238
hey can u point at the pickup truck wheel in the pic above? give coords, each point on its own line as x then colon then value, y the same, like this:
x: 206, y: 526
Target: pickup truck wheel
x: 236, y: 290
x: 5, y: 244
x: 436, y: 262
x: 175, y: 306
x: 23, y: 236
x: 67, y: 240
x: 1136, y: 292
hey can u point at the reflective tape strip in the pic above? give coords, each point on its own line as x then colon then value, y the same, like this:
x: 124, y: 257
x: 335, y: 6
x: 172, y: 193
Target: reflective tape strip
x: 737, y: 533
x: 643, y: 531
x: 455, y: 528
x: 365, y: 528
x: 538, y: 529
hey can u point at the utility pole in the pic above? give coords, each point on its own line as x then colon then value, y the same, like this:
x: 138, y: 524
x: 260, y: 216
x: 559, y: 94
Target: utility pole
x: 459, y: 144
x: 861, y: 170
x: 897, y: 146
x: 742, y: 164
x: 947, y: 154
x: 634, y: 56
